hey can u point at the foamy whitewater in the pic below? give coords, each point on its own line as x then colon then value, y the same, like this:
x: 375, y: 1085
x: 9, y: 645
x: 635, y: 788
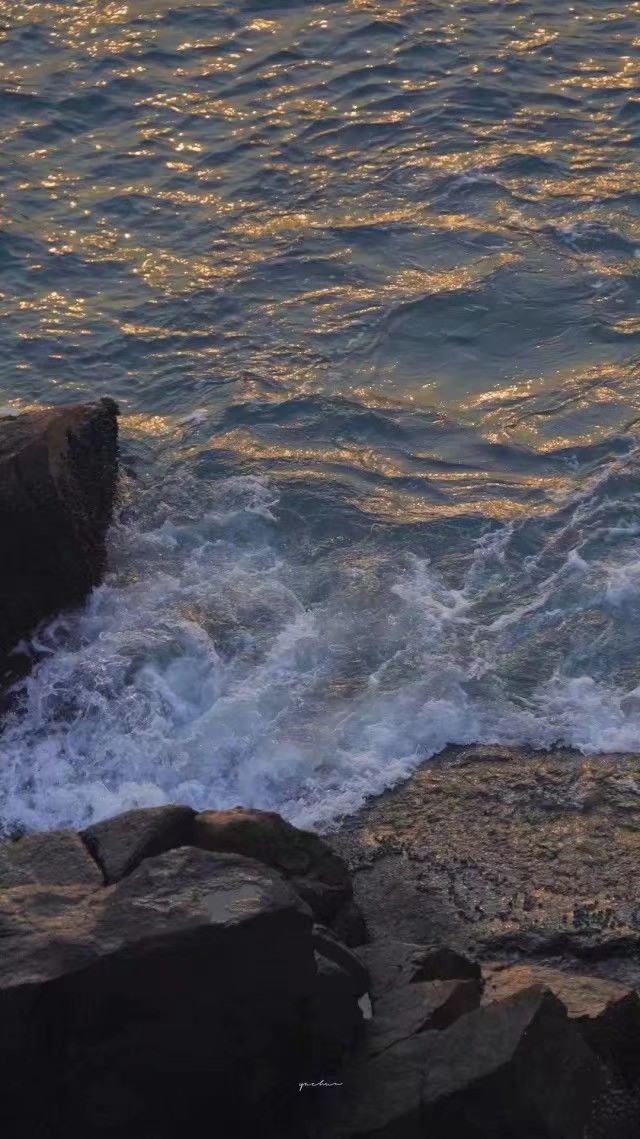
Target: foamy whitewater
x: 202, y: 671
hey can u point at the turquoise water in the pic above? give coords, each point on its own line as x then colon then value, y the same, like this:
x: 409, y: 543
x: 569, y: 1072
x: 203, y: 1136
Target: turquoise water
x: 365, y: 280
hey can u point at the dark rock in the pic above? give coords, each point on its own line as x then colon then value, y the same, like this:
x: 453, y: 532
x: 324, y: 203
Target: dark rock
x: 320, y: 876
x: 383, y: 1099
x: 325, y: 900
x: 141, y: 1008
x: 337, y: 1017
x: 606, y: 1013
x: 391, y: 963
x: 517, y: 1069
x: 121, y: 843
x: 349, y: 925
x: 58, y: 472
x: 58, y: 858
x: 442, y: 963
x: 416, y: 1008
x: 325, y: 942
x: 521, y: 1064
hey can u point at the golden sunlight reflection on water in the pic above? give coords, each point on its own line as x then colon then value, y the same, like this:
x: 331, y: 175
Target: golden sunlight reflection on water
x: 243, y: 147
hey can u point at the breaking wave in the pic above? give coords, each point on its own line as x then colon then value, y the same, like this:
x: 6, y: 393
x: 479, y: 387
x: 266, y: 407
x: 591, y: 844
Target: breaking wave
x: 220, y: 663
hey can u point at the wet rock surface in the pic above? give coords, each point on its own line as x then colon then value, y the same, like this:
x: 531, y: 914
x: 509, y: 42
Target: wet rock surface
x: 506, y: 853
x: 58, y: 471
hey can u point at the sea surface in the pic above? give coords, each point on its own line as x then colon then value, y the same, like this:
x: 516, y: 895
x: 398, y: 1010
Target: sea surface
x: 364, y: 278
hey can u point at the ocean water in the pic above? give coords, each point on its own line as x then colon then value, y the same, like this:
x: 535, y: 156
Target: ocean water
x: 365, y: 280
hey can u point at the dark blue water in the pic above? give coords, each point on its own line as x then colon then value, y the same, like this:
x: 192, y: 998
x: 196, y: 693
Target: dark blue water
x: 365, y: 280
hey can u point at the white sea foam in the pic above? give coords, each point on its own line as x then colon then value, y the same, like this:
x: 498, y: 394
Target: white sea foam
x: 204, y: 671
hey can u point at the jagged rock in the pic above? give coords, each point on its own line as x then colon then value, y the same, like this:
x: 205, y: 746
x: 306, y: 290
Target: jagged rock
x: 139, y: 1008
x: 410, y: 1009
x: 320, y: 876
x: 391, y: 963
x: 521, y: 1064
x: 121, y: 843
x: 517, y: 1069
x: 605, y: 1012
x: 58, y: 858
x: 58, y: 472
x: 326, y: 943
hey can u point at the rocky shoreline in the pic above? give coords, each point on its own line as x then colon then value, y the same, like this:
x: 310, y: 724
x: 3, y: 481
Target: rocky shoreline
x: 165, y: 967
x: 460, y: 960
x: 523, y: 862
x: 505, y: 852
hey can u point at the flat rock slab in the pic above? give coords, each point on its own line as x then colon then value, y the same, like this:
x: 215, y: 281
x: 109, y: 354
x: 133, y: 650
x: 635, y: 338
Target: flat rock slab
x: 57, y: 858
x: 496, y: 851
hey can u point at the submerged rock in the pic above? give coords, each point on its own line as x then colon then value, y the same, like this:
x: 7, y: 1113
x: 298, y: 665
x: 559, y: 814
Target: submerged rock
x: 58, y: 470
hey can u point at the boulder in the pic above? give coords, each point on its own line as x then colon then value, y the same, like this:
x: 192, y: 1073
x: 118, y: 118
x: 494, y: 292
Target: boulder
x: 391, y: 963
x: 58, y: 858
x: 517, y: 1069
x: 183, y: 992
x: 320, y: 876
x: 606, y: 1013
x: 405, y: 1011
x: 120, y: 844
x: 58, y: 471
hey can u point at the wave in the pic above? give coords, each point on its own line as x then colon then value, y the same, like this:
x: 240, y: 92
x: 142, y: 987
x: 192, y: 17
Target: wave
x: 224, y: 662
